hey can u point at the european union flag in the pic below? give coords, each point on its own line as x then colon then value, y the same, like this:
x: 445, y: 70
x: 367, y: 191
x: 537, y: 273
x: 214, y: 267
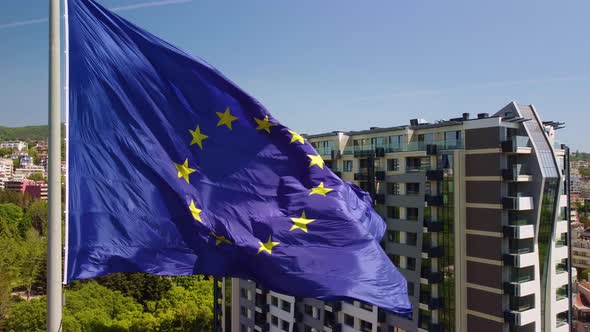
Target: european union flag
x: 174, y: 170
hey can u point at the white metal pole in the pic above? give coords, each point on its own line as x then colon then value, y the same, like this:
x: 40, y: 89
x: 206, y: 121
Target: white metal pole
x: 54, y: 253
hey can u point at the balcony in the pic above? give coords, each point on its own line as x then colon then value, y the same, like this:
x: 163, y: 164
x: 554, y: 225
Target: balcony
x: 417, y: 168
x: 432, y: 252
x: 520, y: 284
x: 435, y: 175
x: 523, y: 258
x: 523, y: 315
x: 324, y: 151
x: 519, y: 231
x: 517, y: 144
x: 431, y: 277
x: 516, y: 173
x: 431, y: 149
x: 434, y: 200
x: 517, y: 203
x: 434, y: 226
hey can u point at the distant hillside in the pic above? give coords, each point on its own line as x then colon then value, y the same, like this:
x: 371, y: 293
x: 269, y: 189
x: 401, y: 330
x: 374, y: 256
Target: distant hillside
x: 28, y: 133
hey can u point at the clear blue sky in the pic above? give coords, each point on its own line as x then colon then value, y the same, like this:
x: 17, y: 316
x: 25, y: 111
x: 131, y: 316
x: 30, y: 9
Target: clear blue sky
x: 348, y: 64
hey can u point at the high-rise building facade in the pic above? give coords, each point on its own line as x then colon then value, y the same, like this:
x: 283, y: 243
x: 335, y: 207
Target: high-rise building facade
x: 476, y: 213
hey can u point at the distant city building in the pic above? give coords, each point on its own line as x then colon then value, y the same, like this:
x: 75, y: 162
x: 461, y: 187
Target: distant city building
x: 6, y: 166
x: 26, y: 161
x: 476, y: 222
x: 18, y: 145
x: 35, y: 189
x: 581, y: 308
x: 25, y: 172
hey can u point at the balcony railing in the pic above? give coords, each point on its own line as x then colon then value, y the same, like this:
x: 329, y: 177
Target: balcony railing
x: 561, y: 268
x: 402, y: 147
x: 417, y: 168
x: 514, y: 143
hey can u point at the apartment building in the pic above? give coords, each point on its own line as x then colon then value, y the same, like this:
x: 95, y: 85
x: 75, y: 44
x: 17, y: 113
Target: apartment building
x: 476, y: 215
x: 34, y: 189
x: 18, y: 145
x: 6, y: 166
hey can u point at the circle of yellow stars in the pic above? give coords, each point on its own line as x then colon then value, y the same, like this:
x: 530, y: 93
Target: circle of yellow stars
x: 226, y: 119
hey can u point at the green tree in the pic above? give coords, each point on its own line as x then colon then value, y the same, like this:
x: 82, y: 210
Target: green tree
x: 10, y: 220
x: 36, y: 216
x: 8, y: 273
x: 140, y: 286
x: 32, y: 257
x: 27, y: 316
x: 186, y: 309
x: 4, y: 152
x: 37, y: 177
x: 35, y: 155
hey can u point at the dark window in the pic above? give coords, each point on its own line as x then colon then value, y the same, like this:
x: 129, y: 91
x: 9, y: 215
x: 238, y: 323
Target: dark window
x: 393, y: 164
x: 393, y: 212
x: 285, y: 325
x: 349, y: 320
x: 286, y: 306
x: 366, y: 306
x: 243, y: 328
x: 412, y: 213
x: 243, y: 293
x: 411, y: 263
x: 412, y: 188
x: 347, y: 165
x: 308, y: 309
x: 395, y: 259
x: 392, y: 188
x: 274, y: 301
x: 363, y: 163
x: 411, y: 238
x: 410, y: 288
x: 274, y: 320
x: 243, y: 311
x: 393, y: 236
x: 366, y: 326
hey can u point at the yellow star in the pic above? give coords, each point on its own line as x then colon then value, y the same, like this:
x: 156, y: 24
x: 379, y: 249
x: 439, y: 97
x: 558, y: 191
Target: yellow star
x: 196, y: 212
x: 264, y: 124
x: 268, y: 245
x: 320, y: 190
x: 198, y: 137
x: 316, y: 160
x: 301, y: 223
x: 296, y: 137
x: 226, y: 118
x: 184, y: 170
x: 219, y: 239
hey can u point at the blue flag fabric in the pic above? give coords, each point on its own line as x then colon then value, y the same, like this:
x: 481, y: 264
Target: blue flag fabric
x: 174, y: 170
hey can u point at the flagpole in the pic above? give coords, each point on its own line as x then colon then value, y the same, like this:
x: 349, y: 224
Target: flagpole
x: 54, y: 255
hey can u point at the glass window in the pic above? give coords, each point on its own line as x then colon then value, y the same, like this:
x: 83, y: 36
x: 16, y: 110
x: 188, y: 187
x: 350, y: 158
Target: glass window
x: 308, y: 309
x: 410, y: 288
x: 411, y: 263
x: 243, y: 311
x: 347, y: 165
x: 348, y: 320
x: 412, y: 189
x: 393, y: 212
x: 392, y: 188
x: 285, y: 325
x: 412, y: 213
x: 395, y: 259
x: 366, y: 326
x: 411, y: 238
x: 378, y: 142
x: 286, y: 306
x: 243, y: 293
x: 274, y: 301
x: 363, y: 163
x: 274, y: 320
x: 366, y: 306
x: 393, y: 165
x: 393, y: 236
